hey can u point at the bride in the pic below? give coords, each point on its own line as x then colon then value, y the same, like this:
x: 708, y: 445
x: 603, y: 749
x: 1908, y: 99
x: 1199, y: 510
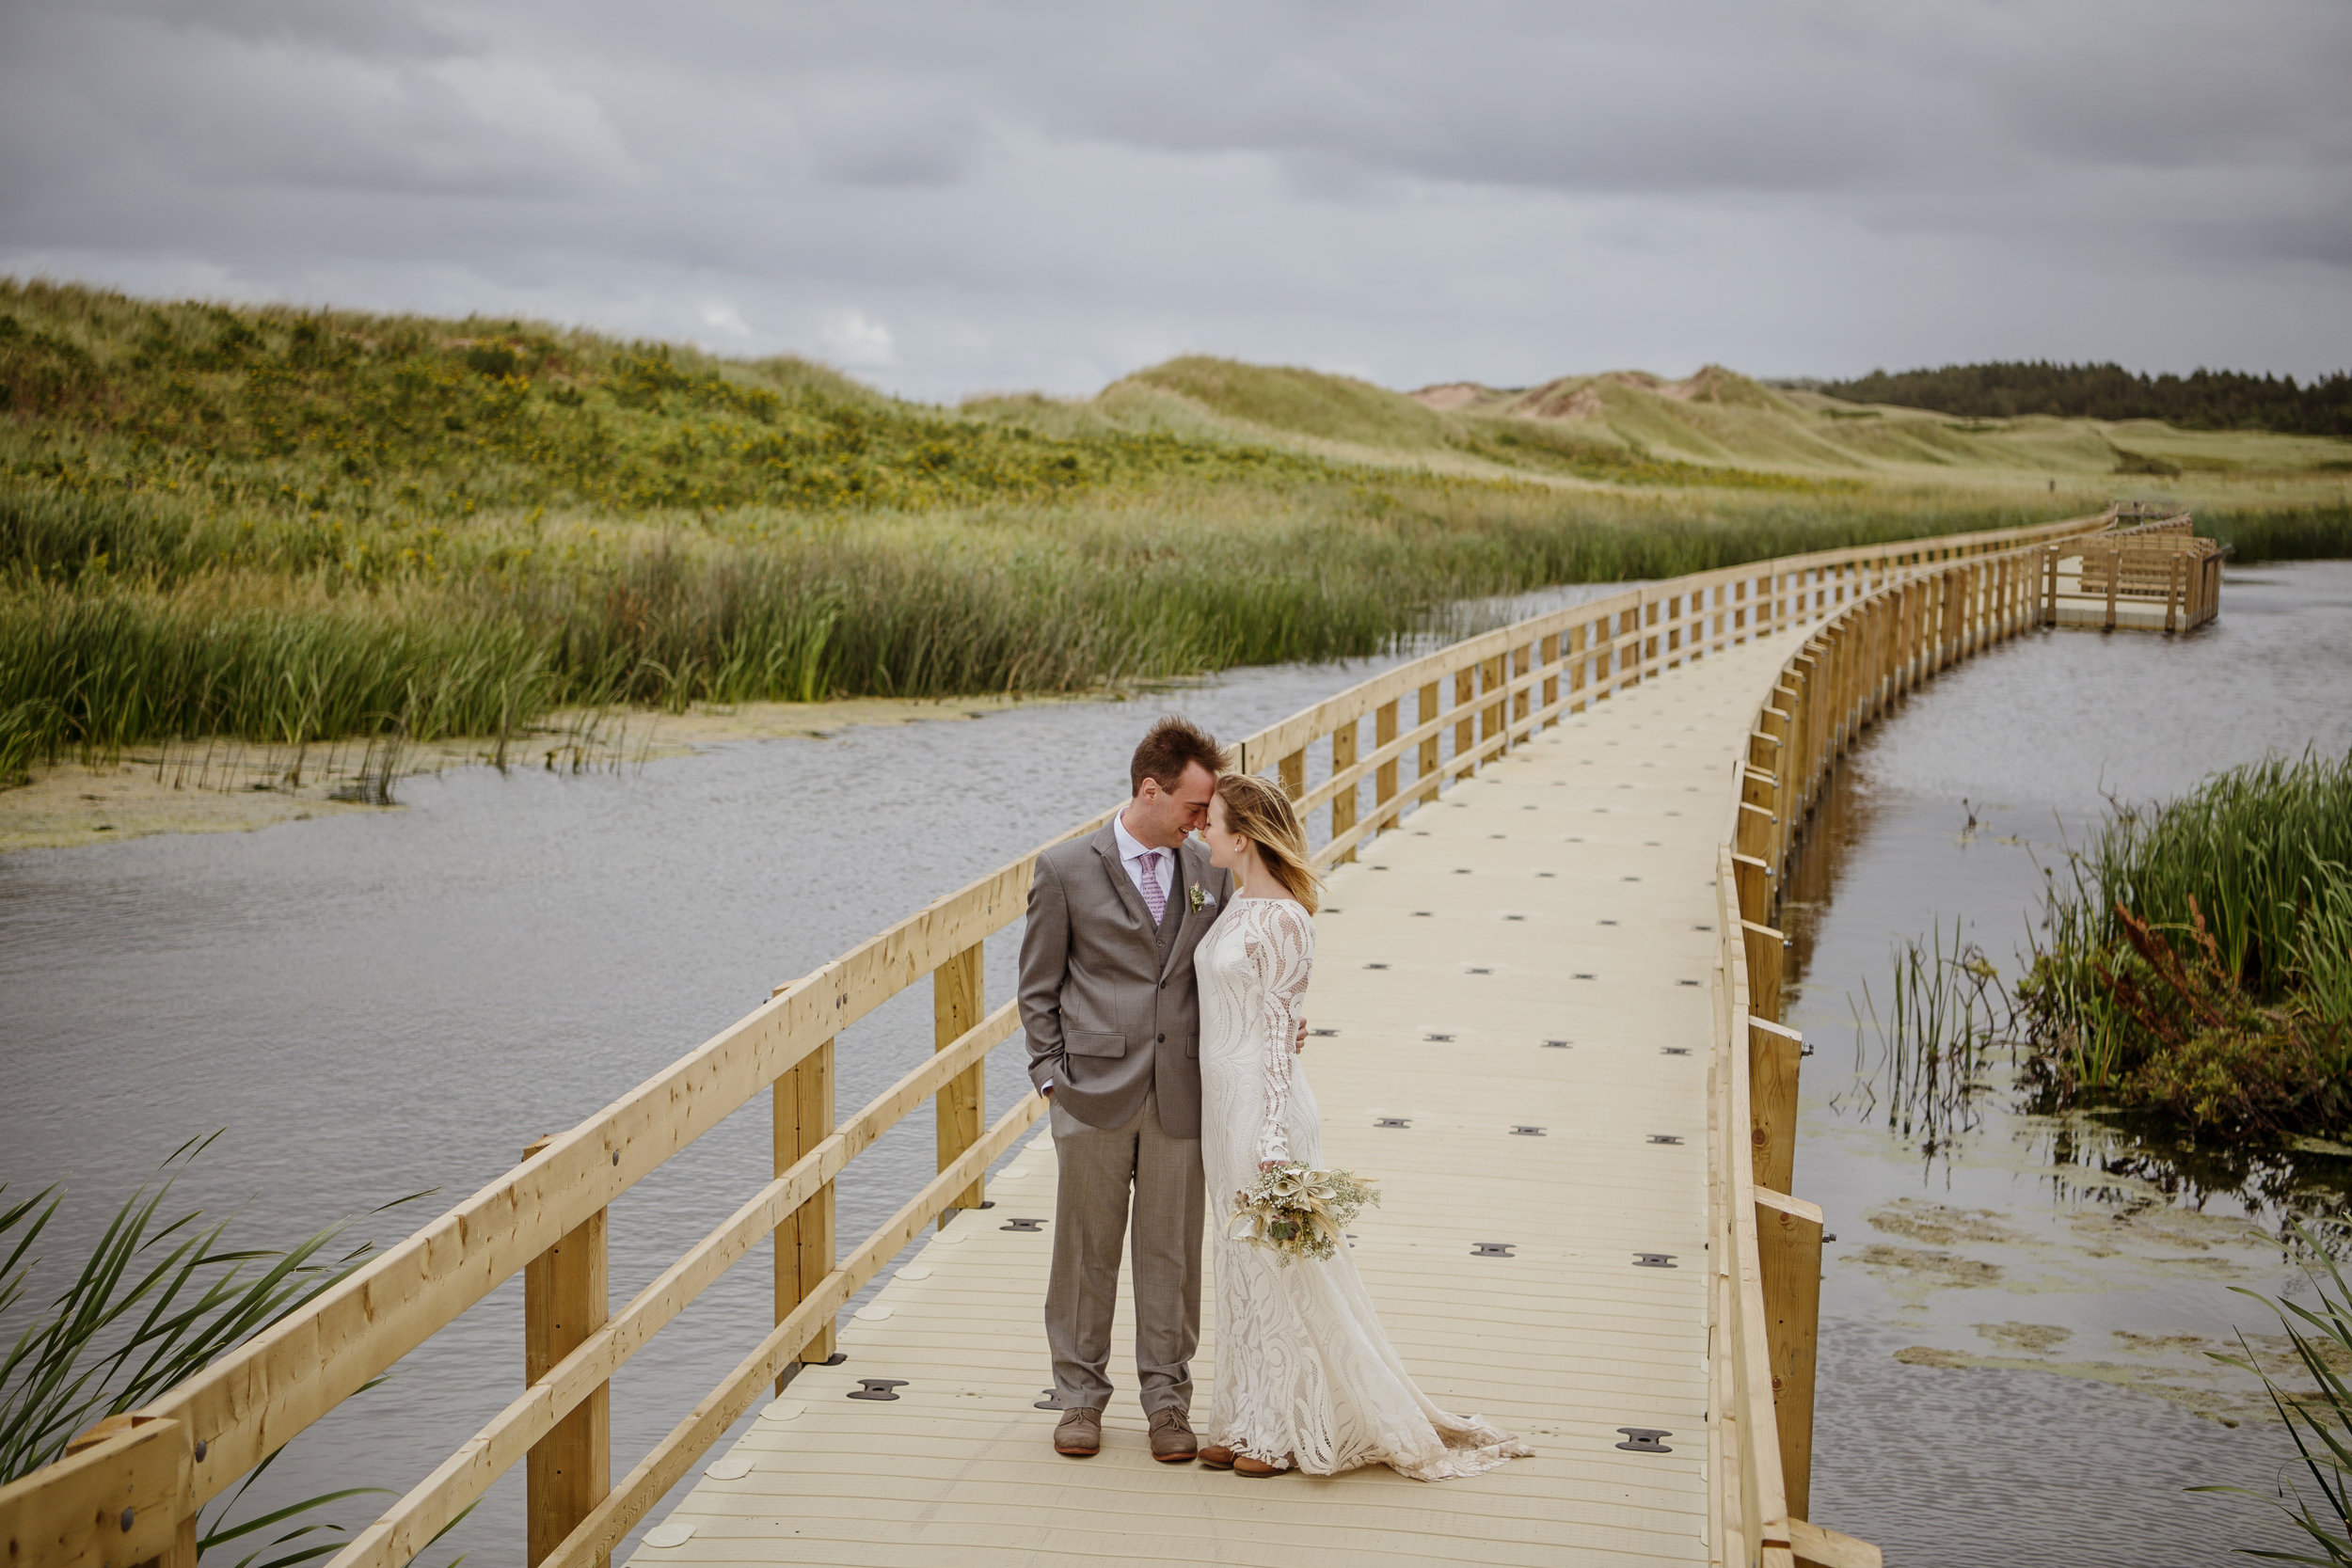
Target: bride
x: 1305, y: 1376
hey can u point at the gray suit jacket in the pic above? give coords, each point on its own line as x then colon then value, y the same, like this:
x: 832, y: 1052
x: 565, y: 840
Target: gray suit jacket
x: 1108, y: 999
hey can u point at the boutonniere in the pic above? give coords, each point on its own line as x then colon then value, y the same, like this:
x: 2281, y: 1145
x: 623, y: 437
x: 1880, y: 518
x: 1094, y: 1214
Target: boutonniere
x: 1201, y: 900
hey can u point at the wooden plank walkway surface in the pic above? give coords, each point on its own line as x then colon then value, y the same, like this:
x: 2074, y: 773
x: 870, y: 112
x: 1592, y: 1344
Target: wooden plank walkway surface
x: 1535, y: 950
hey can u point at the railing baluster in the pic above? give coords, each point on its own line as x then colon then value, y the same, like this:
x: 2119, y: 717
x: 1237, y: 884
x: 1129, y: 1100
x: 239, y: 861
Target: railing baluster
x: 803, y: 1108
x: 1789, y: 1259
x: 1384, y: 777
x: 1292, y: 769
x: 956, y: 1009
x: 565, y: 1298
x: 1342, y: 758
x: 1429, y: 748
x: 1490, y: 714
x: 1465, y: 694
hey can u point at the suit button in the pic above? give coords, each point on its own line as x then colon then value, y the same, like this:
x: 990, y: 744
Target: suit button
x: 1162, y: 1039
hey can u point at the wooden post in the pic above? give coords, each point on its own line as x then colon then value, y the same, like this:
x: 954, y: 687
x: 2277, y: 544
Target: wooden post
x: 1294, y: 771
x: 1788, y: 1256
x: 1756, y: 822
x: 955, y: 1011
x: 1774, y: 1054
x: 2049, y: 586
x: 1384, y: 776
x: 1465, y: 691
x: 2115, y: 578
x: 1549, y: 654
x: 131, y: 1499
x: 1753, y: 881
x: 1575, y: 667
x: 1343, y: 802
x: 1428, y: 769
x: 1779, y: 723
x: 2175, y: 580
x: 566, y: 1298
x: 802, y: 1105
x: 1493, y: 714
x: 1764, y: 965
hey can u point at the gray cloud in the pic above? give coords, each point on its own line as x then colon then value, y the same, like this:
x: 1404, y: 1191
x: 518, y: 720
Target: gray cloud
x: 962, y: 197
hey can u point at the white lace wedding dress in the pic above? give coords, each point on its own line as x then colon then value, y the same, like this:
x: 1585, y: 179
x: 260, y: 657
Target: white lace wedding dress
x: 1305, y: 1375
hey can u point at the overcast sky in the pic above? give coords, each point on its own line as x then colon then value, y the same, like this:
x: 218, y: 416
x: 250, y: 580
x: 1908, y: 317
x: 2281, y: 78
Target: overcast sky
x: 954, y: 196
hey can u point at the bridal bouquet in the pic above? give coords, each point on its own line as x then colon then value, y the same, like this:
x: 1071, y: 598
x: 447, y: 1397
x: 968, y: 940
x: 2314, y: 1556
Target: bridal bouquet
x: 1297, y: 1212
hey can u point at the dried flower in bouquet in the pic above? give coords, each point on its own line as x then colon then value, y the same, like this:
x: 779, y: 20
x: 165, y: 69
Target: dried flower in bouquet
x: 1297, y: 1212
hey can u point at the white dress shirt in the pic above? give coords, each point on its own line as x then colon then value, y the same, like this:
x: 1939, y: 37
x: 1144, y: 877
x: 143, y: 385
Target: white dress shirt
x: 1131, y: 852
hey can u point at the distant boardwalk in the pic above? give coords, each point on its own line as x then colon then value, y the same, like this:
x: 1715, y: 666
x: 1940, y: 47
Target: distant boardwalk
x: 1551, y: 989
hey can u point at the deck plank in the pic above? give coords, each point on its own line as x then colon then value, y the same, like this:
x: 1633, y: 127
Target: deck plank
x: 1611, y: 816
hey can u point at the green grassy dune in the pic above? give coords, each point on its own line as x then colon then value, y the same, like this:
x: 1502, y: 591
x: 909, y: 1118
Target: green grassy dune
x: 289, y: 525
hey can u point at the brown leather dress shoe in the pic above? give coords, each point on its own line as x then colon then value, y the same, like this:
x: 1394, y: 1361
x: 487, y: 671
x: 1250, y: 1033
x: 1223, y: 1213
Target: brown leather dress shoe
x: 1079, y: 1433
x: 1217, y: 1456
x: 1257, y: 1469
x: 1172, y: 1442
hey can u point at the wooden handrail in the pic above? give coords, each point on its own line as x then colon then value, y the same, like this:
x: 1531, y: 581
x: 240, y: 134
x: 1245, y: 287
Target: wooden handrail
x: 1510, y: 683
x: 1871, y: 649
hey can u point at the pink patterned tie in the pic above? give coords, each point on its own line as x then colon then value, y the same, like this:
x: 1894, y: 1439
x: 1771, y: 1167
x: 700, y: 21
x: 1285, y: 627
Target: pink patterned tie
x: 1152, y: 894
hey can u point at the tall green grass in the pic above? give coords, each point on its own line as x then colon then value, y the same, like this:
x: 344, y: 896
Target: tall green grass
x: 125, y: 619
x: 158, y: 1297
x: 2199, y: 959
x: 2291, y: 533
x: 2318, y: 1419
x: 1946, y: 1016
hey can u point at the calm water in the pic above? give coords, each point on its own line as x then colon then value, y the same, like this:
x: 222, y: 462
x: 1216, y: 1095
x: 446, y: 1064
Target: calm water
x: 375, y: 1004
x: 2017, y: 1308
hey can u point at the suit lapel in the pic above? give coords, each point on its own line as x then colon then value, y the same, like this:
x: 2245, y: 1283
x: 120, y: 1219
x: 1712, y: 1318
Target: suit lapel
x: 1106, y: 846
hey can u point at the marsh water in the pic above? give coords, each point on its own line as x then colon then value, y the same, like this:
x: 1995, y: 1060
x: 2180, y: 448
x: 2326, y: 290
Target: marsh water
x: 374, y: 1004
x: 2017, y: 1312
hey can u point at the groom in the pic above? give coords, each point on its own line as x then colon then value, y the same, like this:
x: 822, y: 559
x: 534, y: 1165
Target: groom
x: 1113, y: 1018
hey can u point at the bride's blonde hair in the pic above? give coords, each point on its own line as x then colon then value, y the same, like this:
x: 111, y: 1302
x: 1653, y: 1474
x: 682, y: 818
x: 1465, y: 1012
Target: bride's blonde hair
x: 1263, y: 814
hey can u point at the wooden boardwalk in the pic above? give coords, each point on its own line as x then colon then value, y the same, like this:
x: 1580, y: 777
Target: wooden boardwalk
x: 1522, y: 979
x: 1553, y: 998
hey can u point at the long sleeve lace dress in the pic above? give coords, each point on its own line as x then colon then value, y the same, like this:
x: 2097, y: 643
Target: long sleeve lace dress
x: 1304, y: 1374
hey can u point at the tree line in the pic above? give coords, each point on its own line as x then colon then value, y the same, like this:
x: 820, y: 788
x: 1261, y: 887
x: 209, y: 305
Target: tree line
x: 2202, y: 400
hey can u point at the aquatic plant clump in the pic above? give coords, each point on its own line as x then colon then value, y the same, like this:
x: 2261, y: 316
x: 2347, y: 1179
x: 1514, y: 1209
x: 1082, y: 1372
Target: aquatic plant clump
x: 2200, y: 964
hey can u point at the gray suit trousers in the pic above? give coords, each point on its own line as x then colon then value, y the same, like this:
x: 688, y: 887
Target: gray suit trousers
x: 1100, y: 1168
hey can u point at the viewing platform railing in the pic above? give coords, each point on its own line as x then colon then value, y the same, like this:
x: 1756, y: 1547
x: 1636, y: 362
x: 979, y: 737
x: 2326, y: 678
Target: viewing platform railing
x: 2116, y: 580
x: 1888, y: 616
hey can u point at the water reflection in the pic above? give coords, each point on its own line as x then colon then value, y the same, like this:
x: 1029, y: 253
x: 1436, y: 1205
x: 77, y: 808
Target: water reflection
x: 2022, y: 1307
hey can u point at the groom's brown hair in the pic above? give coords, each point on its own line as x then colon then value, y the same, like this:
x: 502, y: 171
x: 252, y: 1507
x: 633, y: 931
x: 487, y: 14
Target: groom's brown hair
x: 1168, y: 748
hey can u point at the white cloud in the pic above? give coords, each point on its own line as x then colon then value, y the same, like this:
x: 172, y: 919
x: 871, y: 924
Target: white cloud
x: 720, y: 316
x: 857, y: 341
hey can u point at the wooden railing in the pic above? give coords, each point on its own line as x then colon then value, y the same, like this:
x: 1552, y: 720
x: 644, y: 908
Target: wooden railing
x: 1767, y: 1243
x: 2115, y: 573
x: 131, y: 1492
